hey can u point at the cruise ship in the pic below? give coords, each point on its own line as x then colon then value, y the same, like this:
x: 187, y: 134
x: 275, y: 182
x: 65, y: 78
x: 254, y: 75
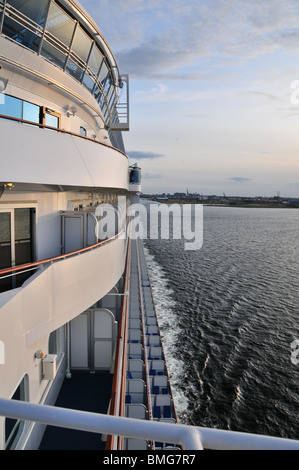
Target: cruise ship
x: 82, y: 364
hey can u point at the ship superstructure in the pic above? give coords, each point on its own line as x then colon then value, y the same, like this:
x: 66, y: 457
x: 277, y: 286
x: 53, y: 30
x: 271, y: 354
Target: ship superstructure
x: 63, y: 107
x: 76, y: 306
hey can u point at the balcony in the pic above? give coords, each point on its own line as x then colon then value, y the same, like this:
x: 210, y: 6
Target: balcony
x: 61, y: 288
x: 38, y: 156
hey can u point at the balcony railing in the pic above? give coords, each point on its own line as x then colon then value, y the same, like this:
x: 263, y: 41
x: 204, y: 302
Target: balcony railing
x: 60, y: 131
x: 189, y: 437
x: 7, y: 272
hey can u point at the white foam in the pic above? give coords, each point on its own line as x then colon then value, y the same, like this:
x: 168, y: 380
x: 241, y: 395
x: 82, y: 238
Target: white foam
x: 165, y: 305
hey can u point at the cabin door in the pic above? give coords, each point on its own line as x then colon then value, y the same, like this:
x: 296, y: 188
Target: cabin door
x: 93, y: 337
x: 16, y: 243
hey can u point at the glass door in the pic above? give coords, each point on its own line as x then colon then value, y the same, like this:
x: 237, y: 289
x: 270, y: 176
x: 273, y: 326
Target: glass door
x: 23, y: 240
x: 6, y: 247
x: 16, y: 243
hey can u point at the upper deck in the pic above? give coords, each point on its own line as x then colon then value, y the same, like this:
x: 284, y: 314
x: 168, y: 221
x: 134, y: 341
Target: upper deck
x: 57, y: 72
x: 63, y: 35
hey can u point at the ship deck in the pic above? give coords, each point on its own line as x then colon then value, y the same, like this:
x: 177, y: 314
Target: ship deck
x: 148, y: 391
x: 80, y: 392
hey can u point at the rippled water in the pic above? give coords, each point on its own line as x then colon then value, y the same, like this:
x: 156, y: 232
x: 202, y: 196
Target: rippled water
x: 229, y: 313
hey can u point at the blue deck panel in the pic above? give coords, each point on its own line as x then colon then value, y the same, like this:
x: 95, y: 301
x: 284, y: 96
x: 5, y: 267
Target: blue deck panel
x: 85, y: 392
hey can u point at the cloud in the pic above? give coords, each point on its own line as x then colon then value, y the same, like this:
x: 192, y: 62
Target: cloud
x: 150, y: 176
x: 138, y: 155
x: 160, y: 38
x: 239, y: 179
x: 261, y: 94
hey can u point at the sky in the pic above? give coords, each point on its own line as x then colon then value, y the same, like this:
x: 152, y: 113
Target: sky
x: 214, y: 92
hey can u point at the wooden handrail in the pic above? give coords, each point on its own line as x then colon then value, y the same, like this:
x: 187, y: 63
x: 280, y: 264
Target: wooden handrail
x: 62, y: 131
x: 121, y: 354
x: 58, y: 257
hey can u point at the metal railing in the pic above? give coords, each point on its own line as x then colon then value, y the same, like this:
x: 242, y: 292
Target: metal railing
x: 6, y: 272
x: 189, y: 437
x: 119, y: 379
x: 60, y: 131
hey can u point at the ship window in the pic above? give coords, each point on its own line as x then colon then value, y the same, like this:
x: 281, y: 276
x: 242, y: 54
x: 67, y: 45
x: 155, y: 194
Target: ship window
x: 95, y: 60
x: 53, y: 54
x: 111, y: 95
x: 23, y: 235
x: 88, y: 82
x: 14, y: 107
x: 20, y: 34
x: 5, y: 248
x: 34, y: 10
x: 74, y: 69
x: 16, y: 243
x: 52, y: 119
x: 19, y: 25
x: 60, y: 24
x: 81, y: 44
x: 98, y: 94
x: 107, y: 84
x: 11, y: 107
x: 103, y: 73
x: 83, y: 131
x: 30, y: 112
x: 14, y: 427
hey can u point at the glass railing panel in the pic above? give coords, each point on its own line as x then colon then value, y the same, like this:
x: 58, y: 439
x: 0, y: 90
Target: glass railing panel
x: 32, y: 9
x: 81, y: 44
x: 74, y: 69
x: 60, y: 24
x: 53, y: 54
x: 21, y: 34
x: 95, y: 60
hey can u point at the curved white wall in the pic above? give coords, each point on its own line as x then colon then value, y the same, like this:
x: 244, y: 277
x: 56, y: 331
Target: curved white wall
x: 34, y: 155
x: 52, y: 297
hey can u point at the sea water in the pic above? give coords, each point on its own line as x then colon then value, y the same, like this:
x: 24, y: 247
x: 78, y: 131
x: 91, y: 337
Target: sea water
x: 229, y: 314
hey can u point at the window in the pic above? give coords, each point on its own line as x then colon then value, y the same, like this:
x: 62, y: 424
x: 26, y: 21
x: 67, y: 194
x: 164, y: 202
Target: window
x: 50, y: 118
x: 103, y: 73
x: 53, y: 54
x: 5, y: 248
x: 88, y: 81
x: 32, y: 9
x: 81, y: 44
x: 83, y: 131
x: 18, y: 24
x: 60, y: 25
x: 14, y: 427
x: 74, y: 69
x: 23, y: 235
x: 14, y: 107
x: 16, y: 243
x: 95, y: 60
x: 31, y: 112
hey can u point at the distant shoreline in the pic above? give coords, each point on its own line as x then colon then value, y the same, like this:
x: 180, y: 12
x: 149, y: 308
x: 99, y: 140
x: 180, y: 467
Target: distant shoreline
x: 228, y: 204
